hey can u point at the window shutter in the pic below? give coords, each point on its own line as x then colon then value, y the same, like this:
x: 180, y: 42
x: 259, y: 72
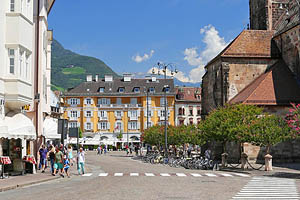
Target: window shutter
x: 85, y: 126
x: 92, y: 126
x: 92, y: 113
x: 122, y: 113
x: 145, y: 112
x: 69, y: 114
x: 78, y: 124
x: 129, y: 126
x: 115, y: 113
x: 92, y: 101
x: 105, y: 113
x: 159, y: 113
x: 99, y: 113
x: 78, y: 113
x: 69, y: 101
x: 85, y: 114
x: 138, y: 113
x: 108, y: 101
x: 99, y: 126
x: 108, y: 126
x: 129, y: 113
x: 139, y: 125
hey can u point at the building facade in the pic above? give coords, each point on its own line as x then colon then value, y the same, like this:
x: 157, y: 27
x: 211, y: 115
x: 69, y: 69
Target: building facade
x: 187, y: 106
x: 115, y: 111
x: 25, y: 53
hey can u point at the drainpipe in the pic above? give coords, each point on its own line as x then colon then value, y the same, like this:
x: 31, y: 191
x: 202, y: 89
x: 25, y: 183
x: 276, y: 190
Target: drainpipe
x: 37, y: 77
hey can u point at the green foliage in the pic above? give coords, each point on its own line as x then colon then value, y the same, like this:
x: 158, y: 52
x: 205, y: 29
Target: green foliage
x: 120, y: 136
x: 269, y: 130
x: 177, y: 135
x: 63, y: 77
x: 80, y: 133
x: 54, y: 88
x: 230, y: 123
x: 73, y: 70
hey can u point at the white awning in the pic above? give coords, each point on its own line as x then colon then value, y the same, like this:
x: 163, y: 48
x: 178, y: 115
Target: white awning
x: 20, y: 127
x: 50, y: 129
x: 3, y: 129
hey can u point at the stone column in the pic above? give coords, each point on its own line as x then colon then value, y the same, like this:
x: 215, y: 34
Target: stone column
x: 224, y: 159
x: 244, y: 158
x: 268, y: 162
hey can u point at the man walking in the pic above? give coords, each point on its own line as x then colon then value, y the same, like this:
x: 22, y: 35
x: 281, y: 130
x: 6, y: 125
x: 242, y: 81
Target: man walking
x: 43, y: 157
x: 58, y: 162
x: 80, y: 161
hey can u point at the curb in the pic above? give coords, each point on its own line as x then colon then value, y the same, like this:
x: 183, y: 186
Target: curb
x: 26, y: 184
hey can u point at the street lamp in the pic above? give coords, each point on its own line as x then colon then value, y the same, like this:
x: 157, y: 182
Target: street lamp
x: 172, y: 71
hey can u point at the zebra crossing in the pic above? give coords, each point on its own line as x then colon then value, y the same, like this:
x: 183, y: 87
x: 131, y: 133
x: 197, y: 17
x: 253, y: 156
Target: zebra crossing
x: 196, y: 175
x: 268, y: 188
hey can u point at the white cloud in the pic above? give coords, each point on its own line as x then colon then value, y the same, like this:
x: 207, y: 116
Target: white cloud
x: 214, y: 44
x: 137, y: 58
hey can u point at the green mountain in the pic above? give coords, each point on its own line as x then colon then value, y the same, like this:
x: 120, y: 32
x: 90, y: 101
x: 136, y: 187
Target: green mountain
x: 69, y: 69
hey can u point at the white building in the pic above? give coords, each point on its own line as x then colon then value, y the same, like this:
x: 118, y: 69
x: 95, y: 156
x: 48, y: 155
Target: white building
x: 23, y: 39
x: 187, y: 106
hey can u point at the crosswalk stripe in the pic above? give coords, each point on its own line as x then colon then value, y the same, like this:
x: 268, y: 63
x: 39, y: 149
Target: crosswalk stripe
x: 118, y: 174
x: 227, y: 175
x: 164, y: 174
x: 210, y: 175
x: 134, y: 174
x: 196, y: 175
x: 180, y: 174
x: 149, y: 174
x: 242, y: 175
x: 268, y: 188
x: 103, y: 174
x: 89, y: 174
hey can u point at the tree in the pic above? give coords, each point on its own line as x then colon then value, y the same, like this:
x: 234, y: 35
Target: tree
x: 153, y: 135
x: 230, y: 123
x: 269, y: 130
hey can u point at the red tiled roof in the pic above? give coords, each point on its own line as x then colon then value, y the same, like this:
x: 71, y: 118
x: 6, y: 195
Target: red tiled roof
x: 275, y: 87
x: 187, y: 93
x: 250, y: 44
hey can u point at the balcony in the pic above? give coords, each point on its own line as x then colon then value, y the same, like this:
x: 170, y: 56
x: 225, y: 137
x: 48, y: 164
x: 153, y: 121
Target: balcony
x: 73, y: 119
x: 19, y: 30
x: 103, y: 118
x: 17, y: 93
x: 119, y: 105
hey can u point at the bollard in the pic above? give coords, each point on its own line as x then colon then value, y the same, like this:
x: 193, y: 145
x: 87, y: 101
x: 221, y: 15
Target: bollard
x: 244, y: 158
x: 224, y: 159
x: 268, y: 162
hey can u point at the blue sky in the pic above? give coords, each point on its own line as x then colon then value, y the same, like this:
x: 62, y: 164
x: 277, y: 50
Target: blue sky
x: 132, y: 35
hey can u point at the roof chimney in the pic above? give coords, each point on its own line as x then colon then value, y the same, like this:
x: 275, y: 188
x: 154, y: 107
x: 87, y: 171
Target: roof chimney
x: 108, y: 78
x: 89, y: 78
x: 127, y: 77
x: 96, y: 77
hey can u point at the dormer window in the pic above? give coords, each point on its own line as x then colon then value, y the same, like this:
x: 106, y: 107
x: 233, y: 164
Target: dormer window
x: 101, y: 90
x: 166, y: 89
x: 121, y: 90
x: 136, y: 90
x: 151, y: 90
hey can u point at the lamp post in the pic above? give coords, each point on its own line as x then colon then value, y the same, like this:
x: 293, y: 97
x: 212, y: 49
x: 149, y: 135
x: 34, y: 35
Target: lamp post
x: 164, y: 67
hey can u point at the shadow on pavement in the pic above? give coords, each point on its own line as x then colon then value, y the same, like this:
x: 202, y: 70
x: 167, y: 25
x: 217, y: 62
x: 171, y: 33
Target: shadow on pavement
x: 291, y: 175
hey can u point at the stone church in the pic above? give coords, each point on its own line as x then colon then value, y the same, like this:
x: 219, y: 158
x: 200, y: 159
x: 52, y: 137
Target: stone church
x: 272, y: 42
x: 261, y: 66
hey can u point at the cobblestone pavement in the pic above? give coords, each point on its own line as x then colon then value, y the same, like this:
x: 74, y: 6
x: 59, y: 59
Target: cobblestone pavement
x: 116, y: 176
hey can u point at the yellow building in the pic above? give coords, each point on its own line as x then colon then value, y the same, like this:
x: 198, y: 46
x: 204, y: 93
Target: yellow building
x: 114, y: 110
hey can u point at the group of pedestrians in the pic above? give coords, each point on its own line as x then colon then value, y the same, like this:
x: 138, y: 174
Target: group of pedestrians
x: 130, y: 149
x: 102, y: 149
x: 61, y: 159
